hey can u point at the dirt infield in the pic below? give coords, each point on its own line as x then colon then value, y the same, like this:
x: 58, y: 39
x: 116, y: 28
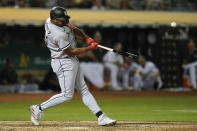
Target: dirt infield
x: 92, y: 126
x: 97, y: 94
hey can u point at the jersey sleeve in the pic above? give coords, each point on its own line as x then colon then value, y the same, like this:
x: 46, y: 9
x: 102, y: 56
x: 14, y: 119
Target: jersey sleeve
x: 109, y: 57
x: 121, y: 60
x: 63, y: 42
x: 150, y: 67
x: 154, y: 68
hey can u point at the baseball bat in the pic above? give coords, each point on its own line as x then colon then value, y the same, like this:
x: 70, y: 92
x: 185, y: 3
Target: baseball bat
x: 127, y: 54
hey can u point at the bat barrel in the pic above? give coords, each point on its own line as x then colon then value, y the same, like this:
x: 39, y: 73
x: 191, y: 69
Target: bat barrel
x: 119, y: 52
x: 106, y: 48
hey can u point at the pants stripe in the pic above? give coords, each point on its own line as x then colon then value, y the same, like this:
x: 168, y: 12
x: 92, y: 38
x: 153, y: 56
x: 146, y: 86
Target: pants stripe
x: 51, y: 100
x: 63, y: 73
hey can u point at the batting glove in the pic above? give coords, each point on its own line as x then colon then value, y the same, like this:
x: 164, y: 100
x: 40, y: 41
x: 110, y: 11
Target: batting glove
x: 89, y: 40
x: 93, y: 46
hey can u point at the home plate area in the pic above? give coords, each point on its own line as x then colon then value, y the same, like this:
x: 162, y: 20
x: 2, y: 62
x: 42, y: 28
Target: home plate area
x: 92, y: 126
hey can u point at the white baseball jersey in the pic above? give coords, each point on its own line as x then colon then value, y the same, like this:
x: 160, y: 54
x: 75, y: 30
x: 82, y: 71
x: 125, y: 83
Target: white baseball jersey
x: 146, y: 81
x: 111, y: 57
x: 134, y: 67
x: 149, y: 69
x: 58, y: 39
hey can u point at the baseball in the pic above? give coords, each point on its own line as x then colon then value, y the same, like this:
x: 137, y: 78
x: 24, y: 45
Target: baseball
x: 173, y: 24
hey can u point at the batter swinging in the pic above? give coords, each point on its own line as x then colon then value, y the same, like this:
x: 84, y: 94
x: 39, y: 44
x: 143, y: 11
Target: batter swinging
x: 60, y: 39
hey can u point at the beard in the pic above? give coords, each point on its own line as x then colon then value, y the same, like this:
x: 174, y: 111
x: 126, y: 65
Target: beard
x: 64, y: 23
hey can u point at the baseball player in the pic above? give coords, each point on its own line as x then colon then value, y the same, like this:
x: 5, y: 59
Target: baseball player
x: 60, y: 39
x: 133, y: 67
x: 190, y: 64
x: 147, y: 75
x: 115, y: 63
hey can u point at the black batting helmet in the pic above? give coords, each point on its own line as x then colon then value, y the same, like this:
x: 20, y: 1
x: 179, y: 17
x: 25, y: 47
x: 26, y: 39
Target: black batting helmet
x: 59, y: 13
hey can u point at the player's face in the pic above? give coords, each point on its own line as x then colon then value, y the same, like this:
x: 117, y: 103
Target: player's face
x: 141, y: 61
x: 118, y: 47
x: 61, y: 23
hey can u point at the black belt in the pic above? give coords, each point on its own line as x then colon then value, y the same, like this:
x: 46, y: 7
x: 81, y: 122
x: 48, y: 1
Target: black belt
x: 59, y: 58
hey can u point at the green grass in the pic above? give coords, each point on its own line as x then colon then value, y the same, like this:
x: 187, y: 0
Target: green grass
x: 182, y: 108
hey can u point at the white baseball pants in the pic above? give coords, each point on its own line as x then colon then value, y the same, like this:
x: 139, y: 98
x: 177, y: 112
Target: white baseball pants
x: 70, y: 78
x: 147, y: 83
x: 114, y: 72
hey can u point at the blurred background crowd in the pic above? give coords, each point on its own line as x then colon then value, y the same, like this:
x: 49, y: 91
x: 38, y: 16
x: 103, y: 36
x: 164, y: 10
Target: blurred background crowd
x: 164, y: 5
x: 167, y: 53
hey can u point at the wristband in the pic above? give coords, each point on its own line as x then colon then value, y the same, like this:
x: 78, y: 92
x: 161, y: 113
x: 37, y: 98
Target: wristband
x: 72, y: 26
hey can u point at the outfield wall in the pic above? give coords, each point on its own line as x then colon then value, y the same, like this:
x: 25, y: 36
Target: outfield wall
x: 105, y: 18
